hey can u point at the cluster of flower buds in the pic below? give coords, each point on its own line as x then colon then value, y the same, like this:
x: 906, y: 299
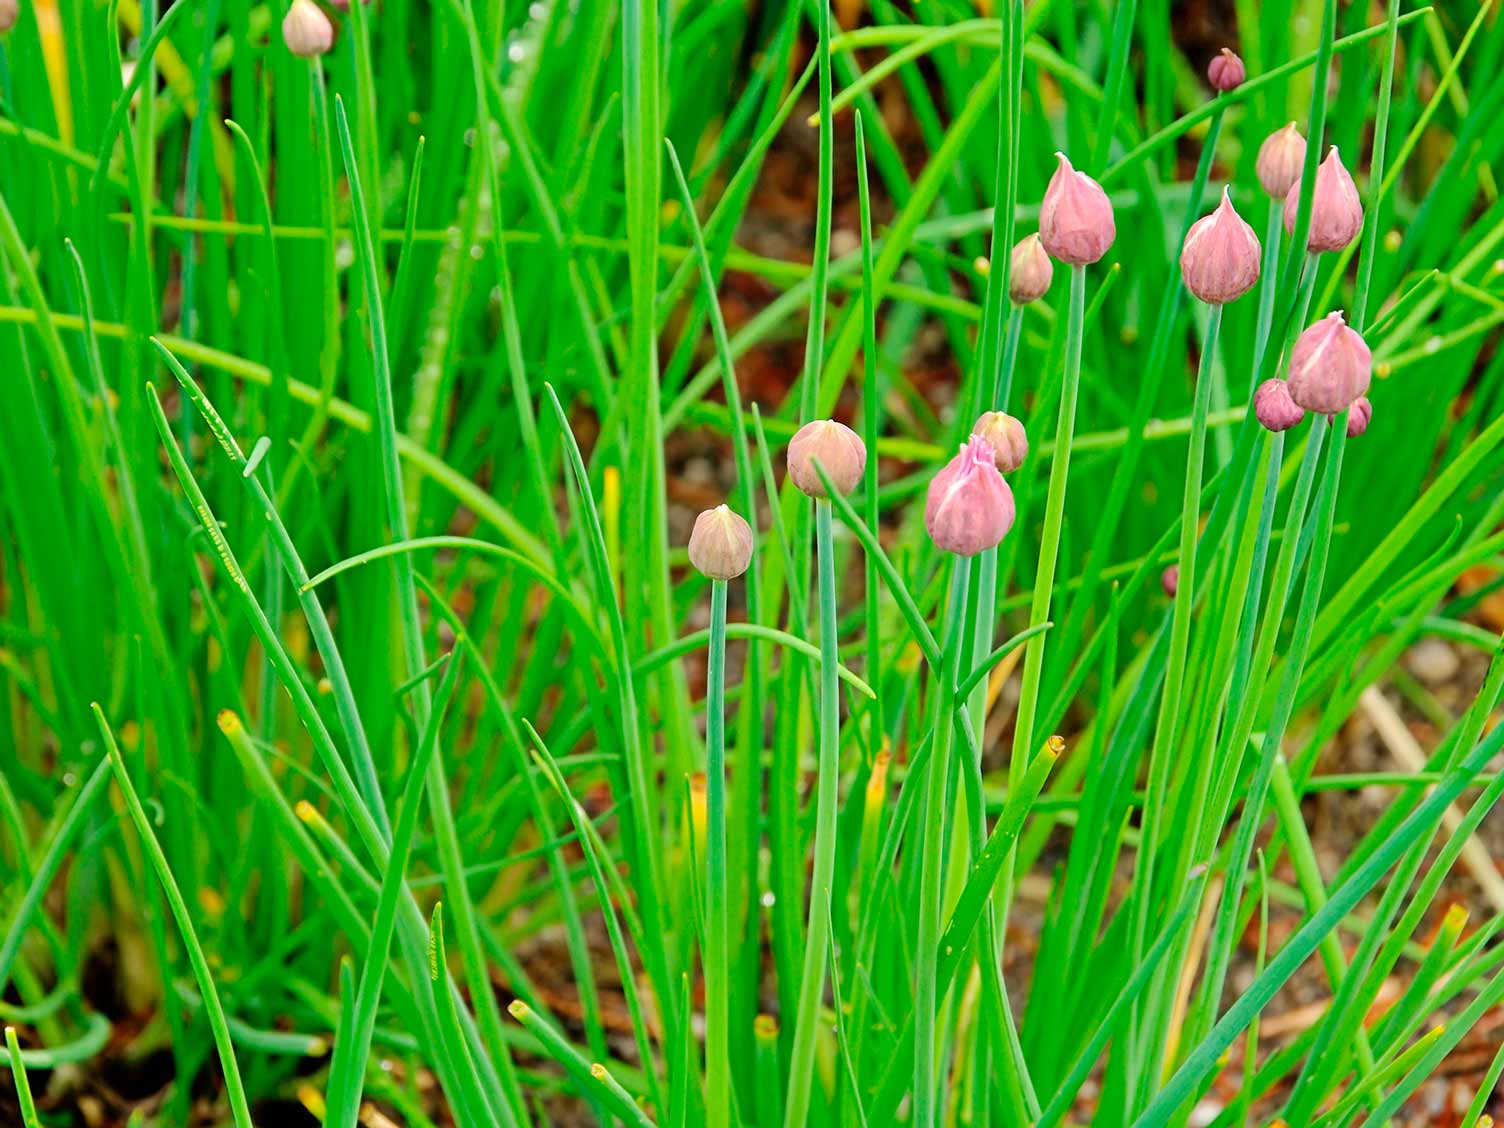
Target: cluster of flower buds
x: 306, y: 30
x: 1005, y: 435
x: 1330, y: 370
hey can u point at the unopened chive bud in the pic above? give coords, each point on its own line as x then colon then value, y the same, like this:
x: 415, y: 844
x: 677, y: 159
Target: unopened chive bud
x: 10, y: 12
x: 1336, y: 210
x: 1281, y: 157
x: 720, y: 545
x: 1226, y: 72
x: 1330, y: 366
x: 1169, y: 579
x: 969, y: 508
x: 1005, y: 435
x: 306, y: 30
x: 1359, y: 416
x: 1220, y: 258
x: 1030, y: 271
x: 1075, y: 219
x: 837, y: 448
x: 1274, y: 408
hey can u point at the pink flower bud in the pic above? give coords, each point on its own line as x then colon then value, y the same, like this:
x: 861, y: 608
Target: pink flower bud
x: 1220, y: 259
x: 1336, y: 210
x: 720, y: 545
x: 969, y: 508
x: 10, y: 12
x: 1226, y: 71
x: 1030, y: 272
x: 1075, y: 219
x: 306, y: 30
x: 1330, y: 366
x: 1005, y: 435
x: 1281, y: 157
x: 1274, y: 408
x: 1169, y: 579
x: 1359, y: 416
x: 836, y: 447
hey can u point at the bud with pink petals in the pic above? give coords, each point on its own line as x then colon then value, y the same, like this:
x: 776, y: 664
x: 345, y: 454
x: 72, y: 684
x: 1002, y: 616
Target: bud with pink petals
x: 1030, y: 271
x: 1330, y: 366
x: 306, y: 30
x: 1005, y: 435
x: 1359, y: 416
x: 837, y: 448
x: 1281, y: 158
x: 1226, y: 72
x: 1169, y: 580
x: 1220, y: 259
x: 1336, y: 210
x: 1274, y: 408
x: 969, y: 508
x: 720, y: 545
x: 1075, y: 219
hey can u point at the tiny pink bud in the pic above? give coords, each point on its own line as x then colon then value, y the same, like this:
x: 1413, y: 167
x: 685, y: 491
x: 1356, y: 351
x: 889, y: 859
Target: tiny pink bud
x: 1330, y: 366
x: 1220, y: 259
x: 1030, y: 271
x: 720, y: 545
x: 10, y: 12
x: 1281, y: 157
x: 1274, y: 408
x: 1169, y: 579
x: 1359, y: 416
x: 837, y: 448
x: 1075, y: 219
x: 306, y: 30
x: 1336, y: 210
x: 969, y: 508
x: 1226, y: 71
x: 1005, y: 435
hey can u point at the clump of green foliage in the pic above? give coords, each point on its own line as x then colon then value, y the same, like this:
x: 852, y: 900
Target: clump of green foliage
x: 357, y: 692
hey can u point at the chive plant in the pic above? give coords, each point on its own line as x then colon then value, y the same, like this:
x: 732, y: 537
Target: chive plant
x: 391, y: 657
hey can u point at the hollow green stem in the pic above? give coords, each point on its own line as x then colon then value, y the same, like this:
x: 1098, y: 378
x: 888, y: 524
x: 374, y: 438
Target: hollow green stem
x: 812, y: 979
x: 927, y: 955
x: 717, y: 927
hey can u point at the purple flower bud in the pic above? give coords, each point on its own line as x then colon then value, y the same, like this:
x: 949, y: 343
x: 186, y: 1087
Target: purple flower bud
x: 1226, y: 71
x: 306, y: 30
x: 1075, y: 219
x: 1336, y: 210
x: 1169, y: 579
x: 1330, y: 366
x: 1274, y: 408
x: 969, y: 508
x: 1359, y: 416
x: 1281, y: 157
x: 1220, y: 259
x: 836, y: 447
x: 720, y: 545
x: 1030, y: 271
x: 1005, y: 435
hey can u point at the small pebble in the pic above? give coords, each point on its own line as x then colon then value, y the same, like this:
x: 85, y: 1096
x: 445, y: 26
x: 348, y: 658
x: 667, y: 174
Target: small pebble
x: 1433, y: 661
